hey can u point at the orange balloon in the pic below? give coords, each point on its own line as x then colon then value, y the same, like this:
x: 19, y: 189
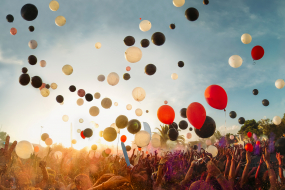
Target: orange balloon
x: 108, y: 151
x: 146, y: 152
x: 13, y: 31
x: 43, y: 85
x: 166, y: 114
x: 123, y: 138
x: 140, y: 149
x: 128, y: 68
x: 36, y: 149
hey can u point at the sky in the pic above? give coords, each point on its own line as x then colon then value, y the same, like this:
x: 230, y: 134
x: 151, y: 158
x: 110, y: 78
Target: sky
x: 204, y: 45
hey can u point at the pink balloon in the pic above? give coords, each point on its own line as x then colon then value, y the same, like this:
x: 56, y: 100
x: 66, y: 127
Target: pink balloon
x: 189, y: 135
x: 165, y: 102
x: 128, y: 68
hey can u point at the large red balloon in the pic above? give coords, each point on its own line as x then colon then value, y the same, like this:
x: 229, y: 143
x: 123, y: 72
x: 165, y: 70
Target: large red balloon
x: 249, y: 134
x: 81, y: 134
x: 196, y: 114
x: 166, y: 114
x: 216, y: 97
x: 257, y: 52
x: 248, y: 147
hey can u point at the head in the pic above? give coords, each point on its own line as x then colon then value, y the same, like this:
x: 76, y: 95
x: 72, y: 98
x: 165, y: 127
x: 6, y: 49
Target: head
x: 197, y: 185
x: 82, y: 182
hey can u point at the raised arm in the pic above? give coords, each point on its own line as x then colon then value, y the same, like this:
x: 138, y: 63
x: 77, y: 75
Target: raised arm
x: 271, y: 173
x: 279, y: 159
x: 246, y: 169
x: 44, y: 181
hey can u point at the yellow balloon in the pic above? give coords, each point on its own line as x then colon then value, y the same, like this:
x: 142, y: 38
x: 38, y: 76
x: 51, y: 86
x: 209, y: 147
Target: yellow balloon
x: 174, y: 76
x: 73, y: 141
x: 178, y: 3
x: 53, y: 86
x: 67, y: 69
x: 60, y: 21
x: 54, y: 5
x: 80, y: 101
x: 94, y: 111
x: 45, y: 92
x: 106, y: 103
x: 65, y: 118
x: 98, y: 45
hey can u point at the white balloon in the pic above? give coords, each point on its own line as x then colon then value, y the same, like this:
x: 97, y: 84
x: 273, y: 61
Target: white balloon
x: 81, y: 120
x: 43, y: 63
x: 45, y: 92
x: 133, y: 54
x: 129, y: 107
x: 116, y: 104
x: 156, y: 136
x: 53, y: 86
x: 98, y: 45
x: 24, y: 149
x: 171, y: 144
x: 58, y: 155
x: 78, y: 131
x: 208, y: 142
x: 33, y: 44
x: 232, y: 137
x: 139, y: 112
x: 213, y: 150
x: 54, y: 5
x: 174, y: 76
x: 142, y: 138
x: 246, y: 38
x: 113, y: 79
x: 145, y: 25
x: 277, y: 120
x: 139, y: 94
x: 65, y: 118
x: 279, y: 83
x: 155, y: 142
x: 178, y: 3
x: 189, y: 135
x: 235, y: 61
x: 60, y: 21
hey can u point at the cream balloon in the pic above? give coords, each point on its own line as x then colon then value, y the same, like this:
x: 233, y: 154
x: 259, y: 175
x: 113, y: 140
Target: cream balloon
x: 155, y: 136
x: 101, y: 78
x: 48, y: 141
x: 133, y: 54
x: 189, y: 135
x: 116, y: 104
x: 45, y: 92
x: 65, y: 118
x: 174, y: 76
x: 171, y: 144
x: 213, y: 150
x: 139, y: 94
x: 145, y: 25
x: 155, y: 142
x: 58, y: 155
x: 97, y: 95
x: 232, y: 137
x: 53, y: 86
x: 113, y: 79
x: 33, y: 44
x: 94, y: 111
x: 80, y: 102
x: 98, y: 45
x: 60, y: 21
x: 24, y: 149
x: 246, y: 38
x: 178, y: 3
x: 73, y: 141
x: 78, y: 131
x: 67, y: 69
x: 115, y: 127
x: 208, y: 142
x: 142, y: 138
x: 81, y: 120
x: 235, y: 61
x: 279, y: 83
x: 43, y: 63
x: 139, y: 112
x: 276, y: 120
x: 129, y: 107
x: 54, y: 5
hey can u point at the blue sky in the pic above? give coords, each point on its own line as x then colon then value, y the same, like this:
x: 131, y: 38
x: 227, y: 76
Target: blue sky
x: 204, y: 45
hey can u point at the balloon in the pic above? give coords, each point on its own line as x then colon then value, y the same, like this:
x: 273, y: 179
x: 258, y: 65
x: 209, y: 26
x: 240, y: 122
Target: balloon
x: 150, y: 69
x: 232, y: 137
x: 147, y: 128
x: 189, y: 135
x: 101, y: 78
x: 80, y: 102
x: 59, y: 98
x: 36, y: 149
x: 123, y: 138
x: 108, y: 151
x: 205, y: 2
x: 32, y: 60
x: 248, y: 147
x: 166, y: 114
x: 43, y: 85
x: 122, y: 122
x: 124, y: 149
x: 73, y: 141
x: 257, y: 143
x: 44, y: 136
x: 235, y: 61
x: 113, y: 79
x: 174, y: 76
x: 116, y: 104
x: 81, y: 92
x: 47, y: 86
x: 88, y: 132
x: 94, y: 147
x: 29, y: 12
x: 33, y: 44
x: 65, y: 118
x: 216, y: 97
x: 10, y: 18
x: 139, y: 112
x: 128, y: 148
x: 172, y: 26
x: 144, y: 43
x: 104, y: 154
x: 146, y: 111
x: 58, y: 155
x: 280, y: 146
x: 101, y: 133
x: 208, y: 142
x: 212, y: 150
x: 13, y: 31
x: 155, y: 143
x: 82, y: 135
x: 276, y: 120
x: 106, y: 103
x: 190, y: 129
x: 94, y: 111
x: 110, y: 134
x: 43, y: 63
x: 48, y: 141
x: 128, y: 68
x: 31, y: 28
x: 24, y: 79
x: 158, y: 38
x: 24, y: 149
x: 134, y: 126
x: 24, y: 70
x: 208, y: 128
x: 139, y: 94
x: 265, y: 102
x: 115, y: 127
x: 45, y: 92
x: 255, y: 91
x: 129, y: 107
x: 72, y: 88
x: 129, y: 40
x: 67, y: 69
x: 97, y: 95
x: 165, y: 102
x: 172, y: 134
x: 98, y: 45
x: 173, y: 125
x: 60, y: 21
x: 196, y: 114
x: 178, y: 3
x: 78, y: 131
x: 192, y: 14
x: 36, y: 82
x: 246, y: 38
x: 145, y: 25
x: 54, y: 5
x: 180, y: 64
x: 249, y: 134
x: 81, y: 120
x: 183, y: 112
x: 133, y: 54
x: 89, y: 97
x: 233, y: 114
x: 183, y: 124
x: 126, y: 76
x: 279, y: 83
x: 257, y: 52
x: 241, y: 120
x: 142, y: 138
x: 53, y: 86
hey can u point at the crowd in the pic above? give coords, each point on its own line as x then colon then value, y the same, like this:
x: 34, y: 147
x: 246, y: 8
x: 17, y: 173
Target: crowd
x: 177, y: 170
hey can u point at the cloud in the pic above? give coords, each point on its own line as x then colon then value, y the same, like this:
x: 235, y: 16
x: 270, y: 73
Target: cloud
x: 233, y: 129
x: 10, y: 60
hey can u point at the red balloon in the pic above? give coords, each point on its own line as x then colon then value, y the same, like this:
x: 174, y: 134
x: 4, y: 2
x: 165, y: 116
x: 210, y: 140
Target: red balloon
x: 166, y: 114
x: 13, y: 31
x: 257, y: 52
x: 128, y: 68
x: 216, y: 97
x: 139, y: 149
x: 248, y: 147
x: 196, y: 114
x: 249, y: 134
x: 123, y: 138
x: 81, y: 134
x: 257, y: 142
x: 165, y: 102
x: 81, y: 93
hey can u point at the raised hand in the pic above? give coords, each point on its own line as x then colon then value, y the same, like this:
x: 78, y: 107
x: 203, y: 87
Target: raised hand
x: 5, y: 155
x: 279, y: 158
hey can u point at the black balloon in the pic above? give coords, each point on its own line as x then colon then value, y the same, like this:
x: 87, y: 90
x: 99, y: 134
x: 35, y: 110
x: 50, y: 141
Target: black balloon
x: 172, y: 134
x: 150, y: 69
x: 208, y: 128
x: 31, y: 28
x: 129, y: 40
x: 146, y: 111
x: 144, y: 43
x: 265, y: 102
x: 47, y: 86
x: 280, y: 146
x: 255, y: 91
x: 88, y: 132
x: 10, y: 18
x: 183, y: 112
x: 32, y: 60
x: 205, y: 2
x: 172, y: 26
x: 241, y: 120
x: 128, y: 148
x: 183, y: 124
x: 192, y: 14
x: 126, y: 76
x: 190, y: 129
x: 29, y: 12
x: 88, y: 97
x: 59, y: 98
x: 24, y: 79
x: 122, y: 121
x: 158, y: 38
x: 24, y: 70
x: 36, y: 82
x: 72, y: 88
x: 134, y: 126
x: 180, y: 64
x: 233, y: 114
x: 195, y: 147
x: 173, y: 125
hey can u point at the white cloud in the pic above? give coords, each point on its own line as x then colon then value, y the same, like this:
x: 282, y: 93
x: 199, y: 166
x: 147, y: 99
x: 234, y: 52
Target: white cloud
x: 11, y: 60
x: 233, y: 129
